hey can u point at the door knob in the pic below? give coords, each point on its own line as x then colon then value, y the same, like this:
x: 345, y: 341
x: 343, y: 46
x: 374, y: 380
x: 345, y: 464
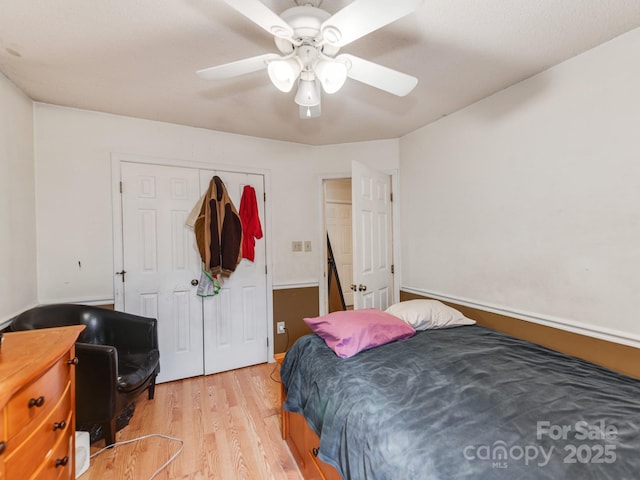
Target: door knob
x: 194, y: 282
x: 362, y: 288
x: 354, y: 287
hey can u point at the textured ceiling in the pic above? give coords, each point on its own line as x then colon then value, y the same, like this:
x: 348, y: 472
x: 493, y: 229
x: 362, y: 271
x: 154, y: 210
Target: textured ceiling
x: 139, y: 57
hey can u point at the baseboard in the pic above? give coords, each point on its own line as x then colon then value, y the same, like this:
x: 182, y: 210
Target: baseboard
x: 92, y: 301
x: 106, y: 303
x: 5, y: 321
x: 289, y: 286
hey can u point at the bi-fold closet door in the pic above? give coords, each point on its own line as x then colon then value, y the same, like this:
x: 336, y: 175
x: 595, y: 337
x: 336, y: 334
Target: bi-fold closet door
x: 196, y: 335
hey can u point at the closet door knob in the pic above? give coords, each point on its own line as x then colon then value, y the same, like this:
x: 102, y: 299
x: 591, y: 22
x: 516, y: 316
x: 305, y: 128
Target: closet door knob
x: 194, y: 282
x: 362, y: 288
x: 354, y: 287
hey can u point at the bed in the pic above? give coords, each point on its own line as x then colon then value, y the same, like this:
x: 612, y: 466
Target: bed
x: 465, y: 402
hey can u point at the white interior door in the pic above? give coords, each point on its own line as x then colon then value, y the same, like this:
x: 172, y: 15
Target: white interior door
x: 339, y: 229
x: 372, y: 237
x: 160, y: 259
x: 235, y: 320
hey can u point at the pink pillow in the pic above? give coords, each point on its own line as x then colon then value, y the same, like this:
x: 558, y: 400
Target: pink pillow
x: 351, y: 331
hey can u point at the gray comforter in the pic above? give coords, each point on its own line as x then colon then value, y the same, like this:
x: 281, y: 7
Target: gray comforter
x: 465, y: 402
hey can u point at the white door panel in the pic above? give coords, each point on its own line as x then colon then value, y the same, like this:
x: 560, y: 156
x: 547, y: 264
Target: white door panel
x: 235, y: 320
x: 372, y: 233
x: 160, y: 260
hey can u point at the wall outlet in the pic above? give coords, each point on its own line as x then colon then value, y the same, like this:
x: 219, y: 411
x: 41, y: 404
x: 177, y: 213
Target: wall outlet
x: 280, y: 327
x: 307, y: 245
x: 296, y: 246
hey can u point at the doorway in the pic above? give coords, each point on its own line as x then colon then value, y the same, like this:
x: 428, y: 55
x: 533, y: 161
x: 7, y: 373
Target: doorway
x: 338, y: 222
x: 359, y: 207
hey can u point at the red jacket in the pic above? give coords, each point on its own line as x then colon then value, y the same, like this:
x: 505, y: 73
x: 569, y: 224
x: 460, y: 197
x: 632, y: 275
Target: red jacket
x: 251, y: 228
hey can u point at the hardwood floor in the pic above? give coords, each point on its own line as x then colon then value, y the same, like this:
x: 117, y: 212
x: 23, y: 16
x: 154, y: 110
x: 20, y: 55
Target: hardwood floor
x: 230, y: 424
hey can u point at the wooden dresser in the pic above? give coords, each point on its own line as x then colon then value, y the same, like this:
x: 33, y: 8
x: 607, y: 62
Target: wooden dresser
x: 37, y: 404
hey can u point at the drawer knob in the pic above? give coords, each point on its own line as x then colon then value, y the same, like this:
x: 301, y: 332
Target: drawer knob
x: 59, y: 425
x: 73, y: 361
x: 315, y: 452
x: 36, y: 402
x: 61, y: 462
x: 3, y: 447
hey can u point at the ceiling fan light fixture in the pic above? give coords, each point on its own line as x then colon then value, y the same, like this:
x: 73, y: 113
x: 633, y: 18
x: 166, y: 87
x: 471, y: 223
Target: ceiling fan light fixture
x: 283, y: 73
x: 332, y: 75
x: 307, y: 113
x: 308, y: 94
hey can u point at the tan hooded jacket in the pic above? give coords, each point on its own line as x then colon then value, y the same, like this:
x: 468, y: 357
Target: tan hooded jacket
x: 218, y: 231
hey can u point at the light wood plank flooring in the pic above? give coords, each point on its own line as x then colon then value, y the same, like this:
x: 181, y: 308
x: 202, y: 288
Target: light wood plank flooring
x: 230, y: 424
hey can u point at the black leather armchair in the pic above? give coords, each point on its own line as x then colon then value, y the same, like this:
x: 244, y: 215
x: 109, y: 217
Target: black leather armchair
x: 118, y: 358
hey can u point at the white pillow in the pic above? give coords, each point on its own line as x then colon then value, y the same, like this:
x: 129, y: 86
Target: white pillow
x: 427, y: 314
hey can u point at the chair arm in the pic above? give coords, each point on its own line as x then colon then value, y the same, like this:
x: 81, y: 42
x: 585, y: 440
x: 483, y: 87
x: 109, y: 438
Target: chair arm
x: 96, y: 382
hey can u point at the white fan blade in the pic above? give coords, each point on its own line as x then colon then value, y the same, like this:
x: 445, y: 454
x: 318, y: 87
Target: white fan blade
x: 364, y: 16
x: 258, y: 12
x: 377, y: 76
x: 237, y: 68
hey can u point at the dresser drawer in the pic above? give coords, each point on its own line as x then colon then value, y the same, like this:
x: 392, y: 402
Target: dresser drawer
x: 3, y: 437
x: 36, y: 400
x: 19, y: 456
x: 3, y: 444
x: 60, y: 462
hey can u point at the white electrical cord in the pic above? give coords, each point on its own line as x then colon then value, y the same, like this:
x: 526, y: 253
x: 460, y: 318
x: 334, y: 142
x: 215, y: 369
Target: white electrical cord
x: 125, y: 442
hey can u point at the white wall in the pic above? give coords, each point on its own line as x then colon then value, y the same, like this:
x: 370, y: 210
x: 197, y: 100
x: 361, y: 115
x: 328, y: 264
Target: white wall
x: 17, y: 203
x: 73, y: 181
x: 529, y: 200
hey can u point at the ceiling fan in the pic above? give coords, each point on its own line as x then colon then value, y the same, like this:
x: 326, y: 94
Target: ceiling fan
x: 309, y: 40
